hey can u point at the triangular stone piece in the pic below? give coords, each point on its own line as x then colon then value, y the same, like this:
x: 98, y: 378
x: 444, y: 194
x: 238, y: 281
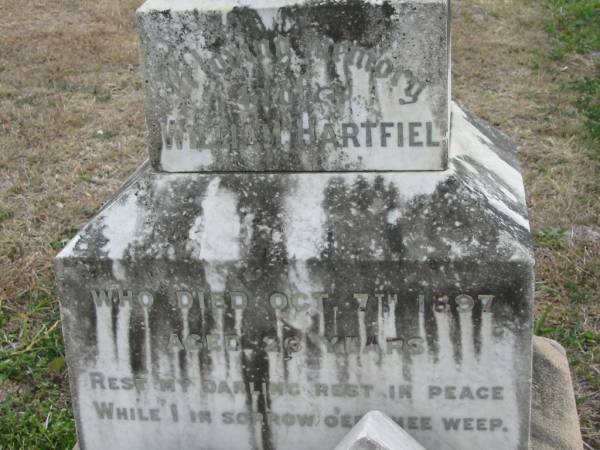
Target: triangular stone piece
x: 376, y: 431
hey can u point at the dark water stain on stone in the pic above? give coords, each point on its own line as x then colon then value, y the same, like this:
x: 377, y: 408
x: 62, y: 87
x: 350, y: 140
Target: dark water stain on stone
x: 313, y: 345
x: 264, y: 271
x: 357, y: 225
x: 353, y: 20
x: 79, y: 278
x: 431, y: 334
x: 137, y: 344
x: 406, y: 327
x: 255, y: 374
x: 476, y: 323
x: 294, y: 340
x: 152, y: 271
x: 249, y: 386
x: 114, y: 318
x: 162, y: 15
x: 455, y: 334
x: 96, y: 275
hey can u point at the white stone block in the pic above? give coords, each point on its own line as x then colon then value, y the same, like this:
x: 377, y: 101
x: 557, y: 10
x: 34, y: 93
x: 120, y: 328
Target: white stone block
x: 301, y: 85
x: 376, y: 431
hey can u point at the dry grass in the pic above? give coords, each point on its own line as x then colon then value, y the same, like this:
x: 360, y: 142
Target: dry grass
x: 502, y: 73
x: 72, y: 125
x: 72, y: 129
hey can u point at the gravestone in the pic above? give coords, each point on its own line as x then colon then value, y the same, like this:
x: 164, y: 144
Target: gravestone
x: 269, y: 306
x: 296, y: 86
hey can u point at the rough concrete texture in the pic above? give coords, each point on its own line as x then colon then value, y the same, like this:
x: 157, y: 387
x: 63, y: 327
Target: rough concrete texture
x: 376, y: 431
x: 555, y: 424
x: 296, y: 85
x: 272, y: 311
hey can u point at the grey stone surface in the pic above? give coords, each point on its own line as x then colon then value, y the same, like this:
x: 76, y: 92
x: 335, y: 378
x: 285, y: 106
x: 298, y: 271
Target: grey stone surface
x: 555, y: 424
x: 272, y: 311
x: 376, y: 431
x: 280, y: 85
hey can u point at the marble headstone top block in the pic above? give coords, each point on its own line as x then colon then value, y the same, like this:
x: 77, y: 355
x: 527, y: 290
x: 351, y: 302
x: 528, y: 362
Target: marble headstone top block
x: 239, y: 311
x: 284, y: 85
x: 376, y: 431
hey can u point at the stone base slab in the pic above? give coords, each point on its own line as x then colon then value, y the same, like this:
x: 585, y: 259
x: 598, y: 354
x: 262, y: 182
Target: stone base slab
x: 278, y: 309
x: 554, y: 421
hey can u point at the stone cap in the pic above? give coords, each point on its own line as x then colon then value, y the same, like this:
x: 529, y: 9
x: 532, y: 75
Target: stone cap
x: 216, y: 5
x: 296, y: 86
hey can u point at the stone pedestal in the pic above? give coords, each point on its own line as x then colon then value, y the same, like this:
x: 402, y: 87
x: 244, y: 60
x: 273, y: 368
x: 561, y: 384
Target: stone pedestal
x: 272, y: 311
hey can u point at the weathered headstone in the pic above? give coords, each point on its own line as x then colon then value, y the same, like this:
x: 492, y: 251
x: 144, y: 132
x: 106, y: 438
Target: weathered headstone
x: 296, y: 85
x: 272, y: 310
